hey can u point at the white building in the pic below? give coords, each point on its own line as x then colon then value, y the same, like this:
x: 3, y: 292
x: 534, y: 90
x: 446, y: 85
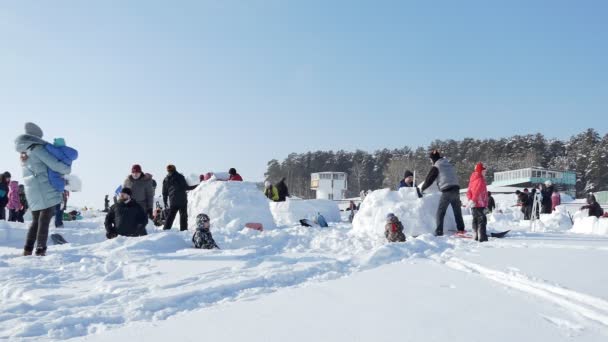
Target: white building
x: 329, y: 185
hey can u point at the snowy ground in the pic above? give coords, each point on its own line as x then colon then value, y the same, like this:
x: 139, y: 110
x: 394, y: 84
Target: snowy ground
x: 303, y: 284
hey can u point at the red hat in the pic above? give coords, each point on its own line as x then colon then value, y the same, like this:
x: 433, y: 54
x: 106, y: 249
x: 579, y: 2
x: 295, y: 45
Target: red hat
x: 479, y: 167
x: 136, y: 168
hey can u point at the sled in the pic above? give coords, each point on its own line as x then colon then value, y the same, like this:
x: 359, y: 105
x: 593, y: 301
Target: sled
x: 255, y: 226
x: 58, y: 239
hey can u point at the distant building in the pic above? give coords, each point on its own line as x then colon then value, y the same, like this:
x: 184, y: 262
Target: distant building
x: 564, y: 181
x: 329, y: 185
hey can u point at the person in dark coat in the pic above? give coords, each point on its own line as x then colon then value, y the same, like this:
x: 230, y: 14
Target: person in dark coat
x: 126, y: 218
x: 174, y: 190
x: 24, y: 204
x: 5, y: 179
x: 491, y: 202
x: 408, y: 182
x: 547, y: 191
x: 595, y: 209
x: 447, y: 180
x: 106, y: 204
x: 234, y: 176
x: 283, y: 190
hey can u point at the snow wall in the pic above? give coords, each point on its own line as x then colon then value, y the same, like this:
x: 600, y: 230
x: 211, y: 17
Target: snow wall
x: 416, y: 214
x: 290, y: 212
x: 230, y: 205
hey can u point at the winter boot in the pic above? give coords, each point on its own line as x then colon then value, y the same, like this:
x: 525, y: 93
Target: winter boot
x: 41, y: 251
x: 27, y: 252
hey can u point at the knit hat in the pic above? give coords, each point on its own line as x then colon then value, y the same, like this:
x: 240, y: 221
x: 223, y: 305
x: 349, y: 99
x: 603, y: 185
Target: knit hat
x: 479, y: 167
x: 7, y: 174
x: 59, y: 142
x: 171, y: 168
x: 202, y: 220
x: 126, y: 191
x: 548, y: 183
x: 136, y: 169
x: 232, y: 171
x: 33, y: 129
x: 267, y: 184
x: 435, y: 155
x: 408, y: 173
x: 389, y: 216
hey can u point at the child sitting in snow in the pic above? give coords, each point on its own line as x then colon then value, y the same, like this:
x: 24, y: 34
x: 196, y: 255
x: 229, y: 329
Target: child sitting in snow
x: 202, y: 237
x: 393, y: 229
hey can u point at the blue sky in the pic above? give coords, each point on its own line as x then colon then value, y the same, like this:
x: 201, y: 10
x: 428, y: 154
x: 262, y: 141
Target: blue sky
x: 209, y: 85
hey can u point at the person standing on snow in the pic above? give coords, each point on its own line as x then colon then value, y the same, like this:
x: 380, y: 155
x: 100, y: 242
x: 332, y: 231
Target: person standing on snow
x: 234, y: 176
x: 61, y: 208
x: 270, y: 191
x: 491, y: 202
x: 14, y: 205
x: 142, y: 188
x: 5, y: 180
x: 126, y: 218
x: 556, y: 199
x: 478, y: 200
x: 547, y: 192
x: 282, y: 190
x: 42, y: 197
x: 447, y: 180
x: 24, y: 206
x: 408, y: 182
x: 174, y: 190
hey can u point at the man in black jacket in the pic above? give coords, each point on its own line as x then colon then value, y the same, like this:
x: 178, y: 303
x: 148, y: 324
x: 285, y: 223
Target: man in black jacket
x: 174, y: 190
x: 126, y: 218
x: 447, y: 180
x: 282, y: 190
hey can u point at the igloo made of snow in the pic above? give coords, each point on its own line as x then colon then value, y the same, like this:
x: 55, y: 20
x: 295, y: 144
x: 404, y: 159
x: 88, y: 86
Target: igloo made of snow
x: 230, y: 205
x: 416, y: 214
x: 292, y: 211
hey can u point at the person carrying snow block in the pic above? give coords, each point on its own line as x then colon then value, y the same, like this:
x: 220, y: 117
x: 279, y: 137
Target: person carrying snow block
x: 271, y: 192
x: 202, y: 237
x: 393, y: 230
x: 126, y: 218
x: 478, y: 200
x: 446, y: 177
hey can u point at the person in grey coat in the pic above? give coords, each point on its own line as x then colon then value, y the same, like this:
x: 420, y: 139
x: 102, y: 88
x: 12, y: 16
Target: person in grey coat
x: 447, y: 180
x: 42, y: 196
x: 142, y: 188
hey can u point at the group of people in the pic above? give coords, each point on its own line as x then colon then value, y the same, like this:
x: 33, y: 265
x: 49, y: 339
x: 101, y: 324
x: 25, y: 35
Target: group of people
x: 135, y: 205
x: 541, y: 200
x: 12, y: 197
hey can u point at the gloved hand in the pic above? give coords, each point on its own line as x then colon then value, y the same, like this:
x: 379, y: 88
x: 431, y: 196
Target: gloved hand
x: 150, y: 213
x: 470, y: 204
x: 111, y: 235
x: 419, y: 192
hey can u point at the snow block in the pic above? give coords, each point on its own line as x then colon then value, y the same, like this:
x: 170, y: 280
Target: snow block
x: 416, y: 214
x: 290, y: 212
x: 230, y: 205
x: 590, y: 225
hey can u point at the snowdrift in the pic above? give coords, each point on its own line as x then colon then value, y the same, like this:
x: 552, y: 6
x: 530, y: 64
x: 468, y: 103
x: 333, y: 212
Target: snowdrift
x: 230, y: 205
x: 416, y: 214
x: 292, y: 211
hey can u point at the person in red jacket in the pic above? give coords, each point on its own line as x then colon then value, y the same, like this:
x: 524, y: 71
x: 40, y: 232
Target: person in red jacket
x: 478, y: 200
x: 234, y: 176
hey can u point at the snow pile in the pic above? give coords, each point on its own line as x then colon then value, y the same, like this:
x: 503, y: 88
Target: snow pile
x: 416, y: 214
x: 291, y: 211
x: 230, y: 205
x: 556, y: 221
x: 590, y: 225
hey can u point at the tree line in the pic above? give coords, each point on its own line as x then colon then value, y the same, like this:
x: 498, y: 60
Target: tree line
x: 585, y: 153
